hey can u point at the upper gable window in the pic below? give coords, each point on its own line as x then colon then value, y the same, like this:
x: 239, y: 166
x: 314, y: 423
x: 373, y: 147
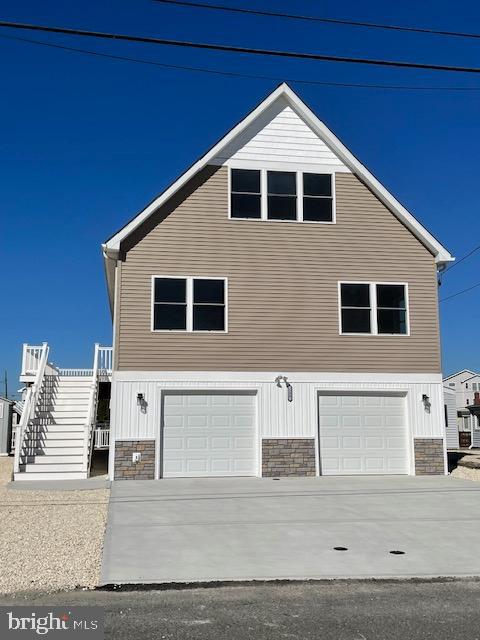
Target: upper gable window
x: 317, y: 197
x: 373, y: 308
x: 282, y: 195
x: 291, y: 196
x: 245, y: 197
x: 189, y: 304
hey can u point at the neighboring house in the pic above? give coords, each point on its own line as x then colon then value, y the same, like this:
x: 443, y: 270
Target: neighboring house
x: 465, y: 384
x: 275, y: 313
x: 6, y: 416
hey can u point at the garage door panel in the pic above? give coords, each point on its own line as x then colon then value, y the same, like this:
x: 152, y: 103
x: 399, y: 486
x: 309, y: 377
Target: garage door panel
x: 351, y: 442
x: 362, y: 434
x: 209, y: 434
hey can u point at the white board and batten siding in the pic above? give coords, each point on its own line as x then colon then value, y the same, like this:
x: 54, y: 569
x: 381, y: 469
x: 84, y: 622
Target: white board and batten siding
x: 450, y: 417
x: 284, y: 138
x: 275, y: 416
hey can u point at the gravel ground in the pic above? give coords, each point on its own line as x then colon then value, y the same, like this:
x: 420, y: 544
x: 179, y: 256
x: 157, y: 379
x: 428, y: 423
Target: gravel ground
x: 466, y: 474
x: 49, y: 540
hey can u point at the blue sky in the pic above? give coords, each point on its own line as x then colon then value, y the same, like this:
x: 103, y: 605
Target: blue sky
x: 85, y: 142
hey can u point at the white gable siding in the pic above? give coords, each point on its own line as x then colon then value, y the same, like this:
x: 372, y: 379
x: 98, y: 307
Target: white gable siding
x: 284, y: 140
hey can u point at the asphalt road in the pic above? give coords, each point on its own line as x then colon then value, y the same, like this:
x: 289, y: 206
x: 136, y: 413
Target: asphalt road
x: 361, y: 610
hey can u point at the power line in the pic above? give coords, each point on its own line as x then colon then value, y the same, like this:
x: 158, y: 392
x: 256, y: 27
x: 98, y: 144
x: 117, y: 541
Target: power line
x: 237, y: 49
x: 293, y: 16
x: 457, y: 262
x: 233, y: 73
x: 459, y: 293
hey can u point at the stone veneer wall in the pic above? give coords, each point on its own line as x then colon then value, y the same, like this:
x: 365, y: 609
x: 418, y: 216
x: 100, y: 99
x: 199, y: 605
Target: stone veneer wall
x: 125, y: 468
x: 288, y: 457
x: 429, y: 460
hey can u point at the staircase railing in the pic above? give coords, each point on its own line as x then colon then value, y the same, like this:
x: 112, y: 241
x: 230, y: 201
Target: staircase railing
x: 91, y: 415
x: 105, y: 361
x: 35, y: 359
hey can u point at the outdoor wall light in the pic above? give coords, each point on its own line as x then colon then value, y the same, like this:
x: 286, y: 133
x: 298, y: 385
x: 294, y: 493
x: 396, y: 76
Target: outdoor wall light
x: 288, y: 386
x: 140, y: 399
x: 426, y: 402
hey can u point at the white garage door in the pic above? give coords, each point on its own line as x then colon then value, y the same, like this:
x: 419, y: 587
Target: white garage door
x: 362, y: 434
x: 209, y: 434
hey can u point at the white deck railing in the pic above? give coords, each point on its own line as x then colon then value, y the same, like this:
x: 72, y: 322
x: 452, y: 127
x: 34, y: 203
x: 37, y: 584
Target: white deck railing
x: 102, y: 438
x: 31, y: 356
x: 76, y: 373
x: 105, y: 360
x: 91, y: 415
x: 31, y: 396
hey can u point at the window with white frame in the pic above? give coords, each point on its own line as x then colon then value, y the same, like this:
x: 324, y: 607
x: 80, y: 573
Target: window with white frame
x: 369, y: 308
x: 282, y: 195
x: 245, y: 197
x: 188, y: 304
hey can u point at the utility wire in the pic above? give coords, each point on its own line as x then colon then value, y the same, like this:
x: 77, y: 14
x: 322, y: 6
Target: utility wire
x: 233, y: 73
x: 236, y: 49
x: 457, y: 262
x: 459, y: 293
x: 293, y: 16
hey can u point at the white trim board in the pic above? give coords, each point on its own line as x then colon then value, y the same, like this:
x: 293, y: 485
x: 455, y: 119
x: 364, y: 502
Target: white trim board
x: 255, y: 377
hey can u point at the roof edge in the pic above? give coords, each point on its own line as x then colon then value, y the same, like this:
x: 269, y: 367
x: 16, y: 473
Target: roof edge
x: 441, y: 254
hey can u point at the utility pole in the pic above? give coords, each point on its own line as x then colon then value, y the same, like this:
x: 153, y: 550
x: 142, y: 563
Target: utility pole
x: 6, y: 384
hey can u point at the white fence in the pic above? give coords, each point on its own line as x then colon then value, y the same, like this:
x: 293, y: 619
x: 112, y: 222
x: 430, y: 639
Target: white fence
x: 31, y: 358
x: 101, y: 438
x: 105, y: 360
x: 76, y: 373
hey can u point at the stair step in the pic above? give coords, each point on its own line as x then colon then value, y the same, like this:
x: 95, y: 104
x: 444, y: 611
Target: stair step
x: 76, y: 458
x: 47, y: 436
x: 53, y: 427
x: 67, y: 394
x: 58, y: 421
x: 77, y: 416
x: 34, y: 468
x: 74, y: 382
x: 57, y: 440
x: 67, y: 404
x: 64, y: 449
x: 51, y: 475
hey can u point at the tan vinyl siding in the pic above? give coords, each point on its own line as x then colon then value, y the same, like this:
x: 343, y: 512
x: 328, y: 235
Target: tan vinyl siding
x: 282, y: 286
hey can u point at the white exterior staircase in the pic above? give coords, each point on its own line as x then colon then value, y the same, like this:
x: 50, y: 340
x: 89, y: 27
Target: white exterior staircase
x: 55, y: 435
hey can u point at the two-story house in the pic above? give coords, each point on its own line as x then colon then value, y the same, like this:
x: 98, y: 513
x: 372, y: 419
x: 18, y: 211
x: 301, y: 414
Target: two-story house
x: 275, y: 313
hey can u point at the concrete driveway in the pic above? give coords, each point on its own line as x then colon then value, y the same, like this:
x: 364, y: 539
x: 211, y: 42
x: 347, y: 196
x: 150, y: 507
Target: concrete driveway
x: 229, y: 529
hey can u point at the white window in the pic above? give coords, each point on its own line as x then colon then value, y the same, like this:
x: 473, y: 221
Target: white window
x: 451, y: 384
x: 282, y: 195
x: 373, y: 308
x: 189, y: 304
x: 474, y: 386
x: 245, y: 196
